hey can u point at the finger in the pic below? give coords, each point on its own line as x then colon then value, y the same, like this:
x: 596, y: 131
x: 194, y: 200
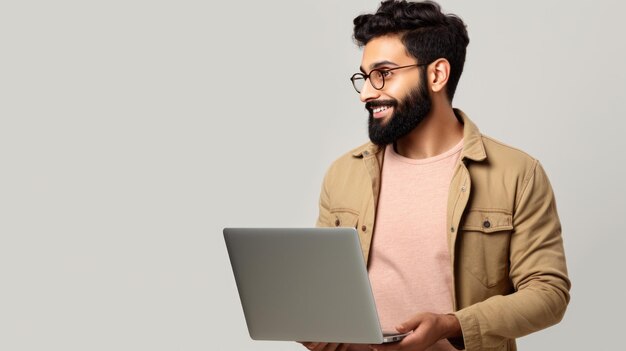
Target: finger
x: 394, y: 346
x: 332, y: 347
x: 322, y: 346
x: 308, y: 345
x: 414, y: 341
x: 343, y: 347
x: 411, y: 323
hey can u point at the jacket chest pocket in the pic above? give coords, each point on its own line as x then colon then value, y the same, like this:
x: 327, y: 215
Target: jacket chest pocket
x: 485, y: 237
x: 344, y: 218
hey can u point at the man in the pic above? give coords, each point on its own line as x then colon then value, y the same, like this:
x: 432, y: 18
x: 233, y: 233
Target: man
x: 460, y: 232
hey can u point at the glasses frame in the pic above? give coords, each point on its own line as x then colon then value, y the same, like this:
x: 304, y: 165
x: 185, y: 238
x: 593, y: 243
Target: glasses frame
x: 365, y: 77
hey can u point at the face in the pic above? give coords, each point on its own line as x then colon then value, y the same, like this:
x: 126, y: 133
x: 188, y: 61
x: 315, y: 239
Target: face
x: 403, y: 102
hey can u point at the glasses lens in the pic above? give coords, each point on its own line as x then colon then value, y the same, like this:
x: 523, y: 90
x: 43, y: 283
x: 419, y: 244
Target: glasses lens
x: 377, y: 79
x: 358, y: 81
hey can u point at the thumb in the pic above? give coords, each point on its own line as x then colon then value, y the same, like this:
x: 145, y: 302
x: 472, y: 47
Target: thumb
x: 410, y: 324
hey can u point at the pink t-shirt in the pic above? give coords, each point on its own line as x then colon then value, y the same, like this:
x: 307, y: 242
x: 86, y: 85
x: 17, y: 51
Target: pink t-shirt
x: 409, y: 265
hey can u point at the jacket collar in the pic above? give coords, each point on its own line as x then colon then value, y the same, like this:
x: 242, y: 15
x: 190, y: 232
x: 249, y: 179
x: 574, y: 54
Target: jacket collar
x: 366, y: 150
x: 473, y: 147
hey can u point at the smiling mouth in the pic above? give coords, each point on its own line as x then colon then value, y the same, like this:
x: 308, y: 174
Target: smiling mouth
x: 379, y: 106
x: 380, y: 109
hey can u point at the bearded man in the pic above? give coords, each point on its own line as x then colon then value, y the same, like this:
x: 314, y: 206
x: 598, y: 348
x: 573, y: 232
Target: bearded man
x: 460, y: 232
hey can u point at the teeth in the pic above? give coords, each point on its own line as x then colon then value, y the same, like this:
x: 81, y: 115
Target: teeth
x: 380, y: 109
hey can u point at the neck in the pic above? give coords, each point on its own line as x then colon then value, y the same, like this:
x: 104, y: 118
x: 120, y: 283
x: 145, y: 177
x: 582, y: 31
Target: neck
x: 436, y: 134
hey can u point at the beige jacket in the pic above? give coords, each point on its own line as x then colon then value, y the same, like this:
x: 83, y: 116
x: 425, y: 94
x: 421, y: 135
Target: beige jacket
x: 507, y: 259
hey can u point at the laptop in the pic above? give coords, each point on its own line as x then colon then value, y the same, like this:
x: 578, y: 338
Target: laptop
x: 304, y: 284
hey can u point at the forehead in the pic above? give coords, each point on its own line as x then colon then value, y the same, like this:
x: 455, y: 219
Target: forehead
x: 388, y: 48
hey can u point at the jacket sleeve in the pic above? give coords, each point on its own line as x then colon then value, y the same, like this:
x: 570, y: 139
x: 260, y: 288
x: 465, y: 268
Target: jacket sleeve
x: 537, y: 271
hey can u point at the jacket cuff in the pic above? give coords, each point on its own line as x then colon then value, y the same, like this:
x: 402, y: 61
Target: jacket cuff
x: 457, y: 343
x: 470, y: 329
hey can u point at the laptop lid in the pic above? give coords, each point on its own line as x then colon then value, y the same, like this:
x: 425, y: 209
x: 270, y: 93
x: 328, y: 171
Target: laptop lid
x: 303, y: 284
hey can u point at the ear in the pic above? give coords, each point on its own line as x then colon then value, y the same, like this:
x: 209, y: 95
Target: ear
x: 439, y: 74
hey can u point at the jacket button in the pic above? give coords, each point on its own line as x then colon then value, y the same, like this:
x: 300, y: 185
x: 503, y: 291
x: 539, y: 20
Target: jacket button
x: 337, y: 222
x: 452, y: 229
x: 486, y: 224
x: 363, y: 228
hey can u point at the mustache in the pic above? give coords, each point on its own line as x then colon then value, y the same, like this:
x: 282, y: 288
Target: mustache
x: 370, y: 105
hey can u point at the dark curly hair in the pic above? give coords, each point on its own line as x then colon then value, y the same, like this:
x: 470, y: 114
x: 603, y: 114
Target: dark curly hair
x: 426, y: 32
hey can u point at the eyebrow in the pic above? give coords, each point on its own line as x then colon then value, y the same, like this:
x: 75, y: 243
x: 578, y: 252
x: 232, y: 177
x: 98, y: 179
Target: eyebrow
x: 378, y: 64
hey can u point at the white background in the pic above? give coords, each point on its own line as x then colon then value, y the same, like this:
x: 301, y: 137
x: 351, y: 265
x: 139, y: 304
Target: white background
x: 132, y: 132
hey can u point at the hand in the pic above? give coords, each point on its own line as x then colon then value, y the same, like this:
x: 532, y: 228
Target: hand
x: 428, y: 328
x: 321, y: 346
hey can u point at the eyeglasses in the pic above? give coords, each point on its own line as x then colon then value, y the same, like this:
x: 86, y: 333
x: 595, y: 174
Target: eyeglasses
x: 376, y: 77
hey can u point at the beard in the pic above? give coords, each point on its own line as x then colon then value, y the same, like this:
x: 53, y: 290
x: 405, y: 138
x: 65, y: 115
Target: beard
x: 407, y: 115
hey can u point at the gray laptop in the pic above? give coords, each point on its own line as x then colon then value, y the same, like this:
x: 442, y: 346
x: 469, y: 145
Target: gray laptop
x: 304, y: 284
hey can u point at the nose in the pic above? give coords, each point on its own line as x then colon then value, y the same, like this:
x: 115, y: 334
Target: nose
x: 368, y: 92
